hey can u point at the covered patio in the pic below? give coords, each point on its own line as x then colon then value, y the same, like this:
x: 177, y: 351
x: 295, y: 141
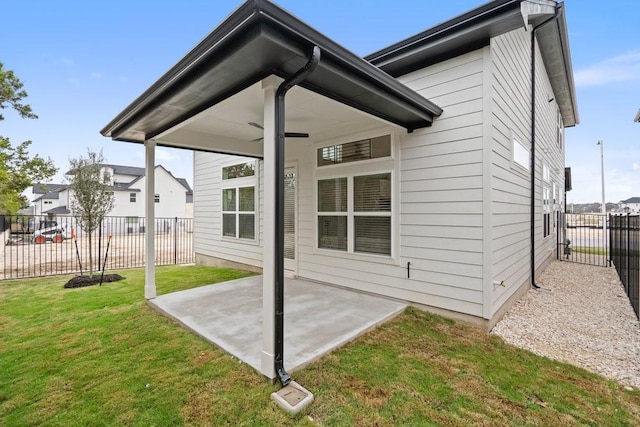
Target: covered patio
x: 319, y: 317
x: 227, y: 95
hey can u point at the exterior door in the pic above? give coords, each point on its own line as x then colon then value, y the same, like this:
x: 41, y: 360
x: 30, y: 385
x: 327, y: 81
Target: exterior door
x: 290, y: 219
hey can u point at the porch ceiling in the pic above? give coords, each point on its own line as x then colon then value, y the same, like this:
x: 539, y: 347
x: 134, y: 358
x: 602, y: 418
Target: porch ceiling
x: 258, y: 40
x: 225, y: 126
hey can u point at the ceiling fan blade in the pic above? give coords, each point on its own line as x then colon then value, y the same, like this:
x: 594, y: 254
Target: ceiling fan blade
x: 255, y: 125
x: 286, y: 135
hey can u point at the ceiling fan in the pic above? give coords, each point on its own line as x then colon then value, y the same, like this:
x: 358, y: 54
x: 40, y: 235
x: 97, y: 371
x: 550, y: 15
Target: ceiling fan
x: 286, y: 134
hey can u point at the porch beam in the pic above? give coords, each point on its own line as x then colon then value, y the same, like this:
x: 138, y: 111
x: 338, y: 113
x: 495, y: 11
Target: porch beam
x: 150, y: 265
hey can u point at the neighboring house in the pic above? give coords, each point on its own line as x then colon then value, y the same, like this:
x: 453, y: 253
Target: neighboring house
x: 426, y: 176
x: 631, y: 205
x: 173, y: 196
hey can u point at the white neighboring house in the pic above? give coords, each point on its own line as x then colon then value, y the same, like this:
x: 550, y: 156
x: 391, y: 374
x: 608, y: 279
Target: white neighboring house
x: 173, y: 196
x: 631, y: 205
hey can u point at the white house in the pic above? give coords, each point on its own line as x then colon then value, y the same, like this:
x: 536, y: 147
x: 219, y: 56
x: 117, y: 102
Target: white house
x: 429, y: 171
x: 173, y: 197
x: 631, y: 205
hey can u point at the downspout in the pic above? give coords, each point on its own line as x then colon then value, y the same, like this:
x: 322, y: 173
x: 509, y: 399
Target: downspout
x: 533, y: 145
x: 290, y: 82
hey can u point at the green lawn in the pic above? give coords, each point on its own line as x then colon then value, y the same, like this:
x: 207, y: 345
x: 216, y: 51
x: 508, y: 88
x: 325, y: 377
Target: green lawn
x: 101, y: 356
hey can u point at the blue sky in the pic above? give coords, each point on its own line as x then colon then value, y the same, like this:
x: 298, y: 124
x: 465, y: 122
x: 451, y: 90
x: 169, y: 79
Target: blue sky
x: 82, y: 62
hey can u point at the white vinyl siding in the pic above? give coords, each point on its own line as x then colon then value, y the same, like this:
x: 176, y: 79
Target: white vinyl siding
x: 441, y: 188
x: 510, y: 194
x: 208, y: 228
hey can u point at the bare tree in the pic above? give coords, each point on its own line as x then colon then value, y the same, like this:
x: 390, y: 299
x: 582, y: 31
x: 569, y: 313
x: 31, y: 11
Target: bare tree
x: 92, y: 199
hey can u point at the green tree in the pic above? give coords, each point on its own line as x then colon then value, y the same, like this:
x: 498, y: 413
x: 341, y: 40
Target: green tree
x: 92, y: 199
x: 18, y: 170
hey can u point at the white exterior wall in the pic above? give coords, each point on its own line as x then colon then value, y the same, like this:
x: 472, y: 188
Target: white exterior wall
x: 207, y: 236
x: 511, y: 184
x: 461, y: 210
x: 437, y: 212
x: 442, y: 187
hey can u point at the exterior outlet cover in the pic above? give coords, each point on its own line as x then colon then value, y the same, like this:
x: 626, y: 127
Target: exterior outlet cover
x: 293, y: 398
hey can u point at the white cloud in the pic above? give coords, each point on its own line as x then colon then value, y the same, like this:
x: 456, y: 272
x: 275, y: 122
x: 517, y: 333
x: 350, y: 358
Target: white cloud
x: 619, y: 68
x: 96, y: 76
x: 74, y: 82
x: 635, y: 166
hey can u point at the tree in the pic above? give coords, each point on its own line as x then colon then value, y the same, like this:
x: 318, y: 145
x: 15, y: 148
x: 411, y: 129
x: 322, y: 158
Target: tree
x: 18, y: 170
x: 92, y: 199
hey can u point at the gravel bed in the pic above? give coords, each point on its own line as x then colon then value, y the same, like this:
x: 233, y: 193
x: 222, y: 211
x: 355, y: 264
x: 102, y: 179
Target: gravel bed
x: 581, y: 316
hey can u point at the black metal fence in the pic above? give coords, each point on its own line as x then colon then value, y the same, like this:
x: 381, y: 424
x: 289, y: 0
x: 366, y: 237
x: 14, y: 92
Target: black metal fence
x: 583, y: 238
x: 34, y: 246
x: 624, y: 241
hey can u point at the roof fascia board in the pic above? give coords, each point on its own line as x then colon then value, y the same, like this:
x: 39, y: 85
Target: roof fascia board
x: 558, y: 66
x: 473, y: 18
x: 238, y: 20
x: 341, y: 55
x: 254, y: 13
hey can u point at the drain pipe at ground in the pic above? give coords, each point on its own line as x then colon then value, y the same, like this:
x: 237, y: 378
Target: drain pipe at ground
x: 533, y: 145
x: 290, y: 82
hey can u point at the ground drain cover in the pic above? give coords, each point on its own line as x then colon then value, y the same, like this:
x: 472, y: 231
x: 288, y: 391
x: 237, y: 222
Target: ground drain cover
x: 293, y: 398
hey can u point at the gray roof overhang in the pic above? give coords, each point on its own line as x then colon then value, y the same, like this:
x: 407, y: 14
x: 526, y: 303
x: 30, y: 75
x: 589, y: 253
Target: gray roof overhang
x: 260, y: 39
x: 474, y: 30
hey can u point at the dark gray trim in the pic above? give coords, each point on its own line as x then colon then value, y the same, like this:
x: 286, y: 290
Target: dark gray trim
x: 464, y: 33
x: 257, y: 40
x: 474, y: 30
x: 637, y: 118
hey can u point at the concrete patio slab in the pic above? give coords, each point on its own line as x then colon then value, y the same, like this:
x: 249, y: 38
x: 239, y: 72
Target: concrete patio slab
x: 318, y: 317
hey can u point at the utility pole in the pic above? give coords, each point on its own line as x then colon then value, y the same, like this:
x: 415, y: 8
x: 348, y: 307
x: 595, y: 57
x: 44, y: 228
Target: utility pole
x: 604, y: 205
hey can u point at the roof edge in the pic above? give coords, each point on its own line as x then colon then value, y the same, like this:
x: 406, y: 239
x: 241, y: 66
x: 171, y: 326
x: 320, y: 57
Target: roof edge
x: 452, y: 25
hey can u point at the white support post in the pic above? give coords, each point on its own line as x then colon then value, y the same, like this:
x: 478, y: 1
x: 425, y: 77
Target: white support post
x: 149, y: 231
x: 269, y: 87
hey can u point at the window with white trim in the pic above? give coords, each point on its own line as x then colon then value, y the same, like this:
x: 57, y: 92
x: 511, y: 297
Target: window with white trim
x: 521, y: 155
x: 546, y: 211
x: 239, y: 201
x: 354, y: 208
x: 132, y: 197
x: 560, y: 131
x: 156, y: 198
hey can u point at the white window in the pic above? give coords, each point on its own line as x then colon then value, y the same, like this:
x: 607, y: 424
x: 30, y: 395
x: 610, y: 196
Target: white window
x: 354, y: 208
x: 560, y: 131
x: 156, y: 198
x: 132, y: 197
x: 546, y: 173
x: 521, y: 155
x: 546, y: 211
x: 239, y: 201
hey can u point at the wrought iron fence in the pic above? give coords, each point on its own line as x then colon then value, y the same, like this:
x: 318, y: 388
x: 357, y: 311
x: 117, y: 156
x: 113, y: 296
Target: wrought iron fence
x: 624, y: 240
x: 583, y: 238
x: 36, y: 246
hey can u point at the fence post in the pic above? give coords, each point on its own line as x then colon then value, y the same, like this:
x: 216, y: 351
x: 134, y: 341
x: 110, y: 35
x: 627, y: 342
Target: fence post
x: 175, y: 240
x: 628, y: 275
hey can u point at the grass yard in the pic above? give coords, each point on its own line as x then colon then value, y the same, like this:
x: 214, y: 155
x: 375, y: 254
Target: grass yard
x: 101, y: 356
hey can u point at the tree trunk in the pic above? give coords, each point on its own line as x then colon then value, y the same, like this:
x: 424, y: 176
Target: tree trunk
x: 90, y: 256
